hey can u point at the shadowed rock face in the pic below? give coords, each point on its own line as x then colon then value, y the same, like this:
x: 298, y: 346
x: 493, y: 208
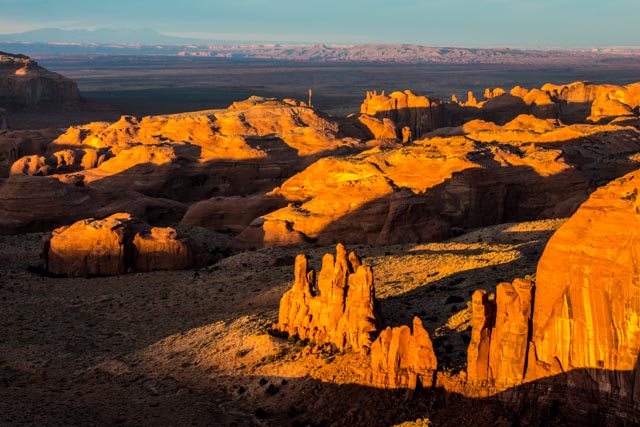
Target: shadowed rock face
x: 117, y: 245
x: 340, y: 308
x: 24, y: 84
x: 3, y: 119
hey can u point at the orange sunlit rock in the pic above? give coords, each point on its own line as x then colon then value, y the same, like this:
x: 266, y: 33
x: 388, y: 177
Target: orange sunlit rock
x: 116, y: 245
x: 587, y: 304
x: 402, y: 358
x: 529, y: 168
x: 337, y: 307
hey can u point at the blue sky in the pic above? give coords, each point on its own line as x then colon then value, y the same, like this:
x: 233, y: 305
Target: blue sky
x: 428, y: 22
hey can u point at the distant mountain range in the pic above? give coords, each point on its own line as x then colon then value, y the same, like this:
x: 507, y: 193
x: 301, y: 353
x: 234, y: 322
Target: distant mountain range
x: 145, y: 36
x: 107, y: 41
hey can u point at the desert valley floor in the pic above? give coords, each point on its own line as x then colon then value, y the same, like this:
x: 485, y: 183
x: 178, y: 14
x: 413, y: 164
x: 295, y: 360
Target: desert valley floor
x: 192, y: 348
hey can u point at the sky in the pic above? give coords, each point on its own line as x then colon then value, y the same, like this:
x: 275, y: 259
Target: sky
x: 530, y: 23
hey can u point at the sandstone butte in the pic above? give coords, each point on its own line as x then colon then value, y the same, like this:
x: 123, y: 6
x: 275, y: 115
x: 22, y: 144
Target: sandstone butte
x: 117, y: 245
x: 338, y: 306
x: 23, y: 83
x: 579, y: 326
x: 469, y: 176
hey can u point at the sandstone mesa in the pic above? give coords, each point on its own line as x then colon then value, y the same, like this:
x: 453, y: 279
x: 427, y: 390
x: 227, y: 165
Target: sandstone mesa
x: 117, y: 245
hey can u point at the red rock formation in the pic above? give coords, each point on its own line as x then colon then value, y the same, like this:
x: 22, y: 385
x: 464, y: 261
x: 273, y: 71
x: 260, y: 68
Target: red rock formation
x: 482, y: 321
x: 584, y: 328
x: 500, y: 334
x: 250, y: 146
x: 401, y: 358
x: 339, y: 307
x: 116, y: 245
x: 32, y: 203
x: 587, y: 306
x: 403, y: 109
x: 15, y: 144
x: 30, y: 165
x: 528, y: 169
x: 510, y: 334
x: 23, y: 83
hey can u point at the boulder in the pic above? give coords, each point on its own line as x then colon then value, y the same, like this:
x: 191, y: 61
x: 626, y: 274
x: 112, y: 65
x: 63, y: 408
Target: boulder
x: 117, y: 245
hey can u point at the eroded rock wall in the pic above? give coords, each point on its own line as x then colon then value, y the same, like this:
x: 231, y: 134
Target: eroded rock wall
x: 117, y: 245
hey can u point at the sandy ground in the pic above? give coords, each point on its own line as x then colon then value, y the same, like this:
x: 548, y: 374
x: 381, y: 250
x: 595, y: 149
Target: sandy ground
x: 193, y: 348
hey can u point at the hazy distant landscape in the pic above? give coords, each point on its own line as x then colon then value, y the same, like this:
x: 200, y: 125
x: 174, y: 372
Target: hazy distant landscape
x: 143, y: 84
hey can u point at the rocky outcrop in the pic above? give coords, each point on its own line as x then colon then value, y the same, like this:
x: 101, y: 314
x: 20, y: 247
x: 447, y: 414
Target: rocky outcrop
x: 581, y: 330
x: 15, y: 144
x: 587, y: 306
x: 486, y: 174
x: 25, y: 84
x: 252, y: 146
x: 579, y: 102
x: 404, y: 109
x: 337, y: 307
x: 402, y: 358
x: 500, y: 334
x: 482, y: 322
x: 117, y: 245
